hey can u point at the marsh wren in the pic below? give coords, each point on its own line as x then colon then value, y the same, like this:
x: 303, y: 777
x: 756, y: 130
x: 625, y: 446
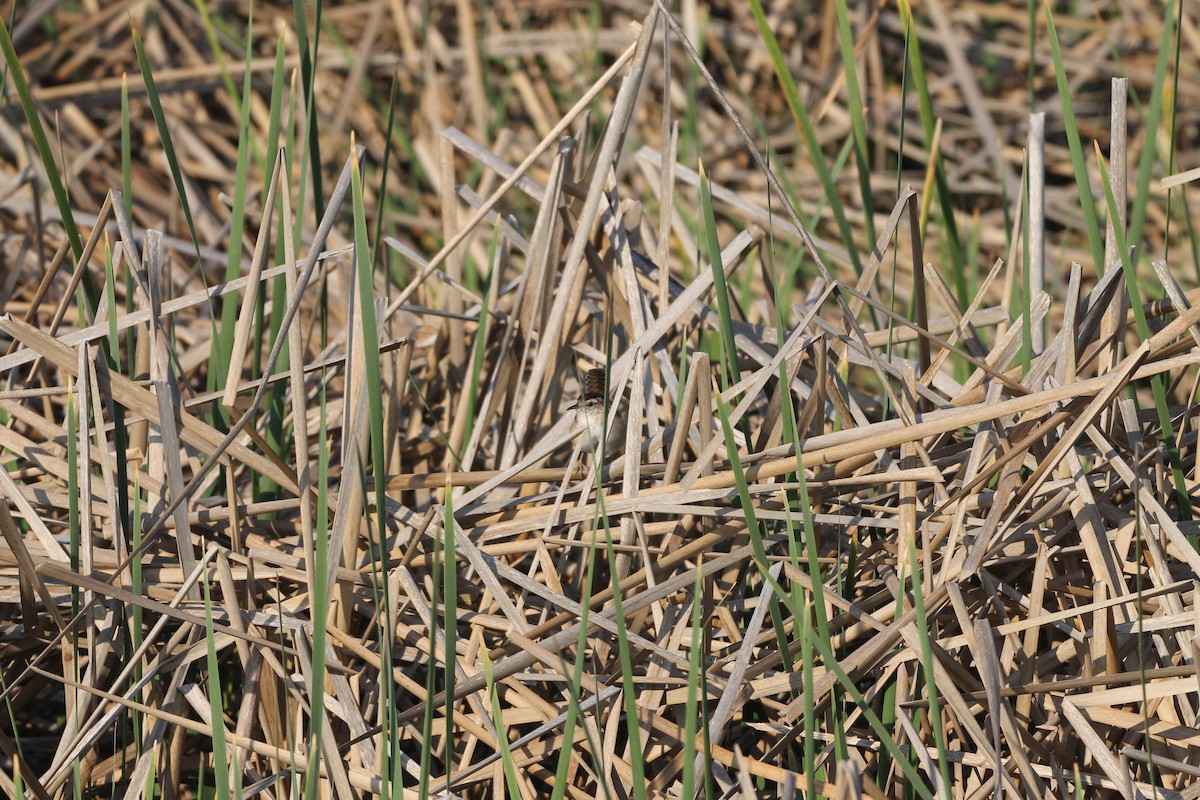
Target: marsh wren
x: 591, y: 405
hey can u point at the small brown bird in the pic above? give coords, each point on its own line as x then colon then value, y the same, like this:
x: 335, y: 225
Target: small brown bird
x: 590, y: 408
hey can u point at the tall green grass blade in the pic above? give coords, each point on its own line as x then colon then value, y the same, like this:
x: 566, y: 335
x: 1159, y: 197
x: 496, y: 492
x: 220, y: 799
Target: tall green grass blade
x: 222, y: 345
x: 120, y: 434
x: 903, y: 132
x: 279, y: 129
x: 126, y: 149
x: 135, y: 611
x: 373, y: 385
x: 1026, y: 277
x: 275, y: 113
x: 370, y: 340
x: 320, y: 611
x: 799, y: 599
x: 450, y: 623
x: 1157, y: 384
x: 1150, y: 125
x: 301, y: 145
x: 573, y: 690
x: 220, y: 748
x: 886, y: 740
x: 308, y: 74
x: 752, y: 524
x: 218, y: 52
x: 858, y: 125
x: 1031, y: 43
x: 1141, y: 639
x: 164, y: 134
x: 809, y: 135
x: 689, y: 132
x: 72, y: 414
x: 812, y: 552
x: 431, y: 677
x: 1082, y: 184
x: 276, y: 410
x: 923, y: 640
x: 1172, y: 112
x: 720, y: 289
x: 510, y: 767
x: 135, y: 566
x: 808, y: 672
x: 74, y: 554
x: 380, y: 250
x: 475, y: 378
x: 958, y: 262
x: 632, y: 719
x: 695, y: 668
x: 745, y: 499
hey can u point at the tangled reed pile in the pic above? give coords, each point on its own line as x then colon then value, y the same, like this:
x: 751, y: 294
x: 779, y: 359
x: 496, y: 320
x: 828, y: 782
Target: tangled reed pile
x: 329, y: 523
